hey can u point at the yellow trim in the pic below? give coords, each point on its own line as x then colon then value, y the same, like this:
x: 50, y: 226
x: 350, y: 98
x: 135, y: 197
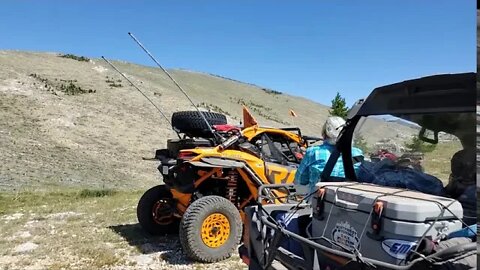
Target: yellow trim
x: 252, y: 132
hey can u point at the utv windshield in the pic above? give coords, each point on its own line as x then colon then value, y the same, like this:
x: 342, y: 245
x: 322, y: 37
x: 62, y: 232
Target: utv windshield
x: 428, y: 141
x: 432, y: 153
x: 417, y: 134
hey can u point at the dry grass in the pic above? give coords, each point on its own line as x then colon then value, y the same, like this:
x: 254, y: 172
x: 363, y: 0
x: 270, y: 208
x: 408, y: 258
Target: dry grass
x: 97, y: 140
x: 437, y: 162
x: 85, y: 232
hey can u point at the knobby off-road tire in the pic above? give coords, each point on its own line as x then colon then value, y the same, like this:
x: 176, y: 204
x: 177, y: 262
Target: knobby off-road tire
x: 197, y: 223
x: 145, y: 211
x: 193, y: 124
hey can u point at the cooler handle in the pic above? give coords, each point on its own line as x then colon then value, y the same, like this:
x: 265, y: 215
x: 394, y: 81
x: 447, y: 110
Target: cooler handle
x: 345, y: 204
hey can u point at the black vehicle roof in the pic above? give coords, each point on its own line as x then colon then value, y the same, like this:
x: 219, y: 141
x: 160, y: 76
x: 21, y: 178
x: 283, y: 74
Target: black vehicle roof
x: 437, y: 93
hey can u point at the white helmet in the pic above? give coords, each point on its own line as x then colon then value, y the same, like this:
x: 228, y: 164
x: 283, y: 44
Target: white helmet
x: 331, y: 129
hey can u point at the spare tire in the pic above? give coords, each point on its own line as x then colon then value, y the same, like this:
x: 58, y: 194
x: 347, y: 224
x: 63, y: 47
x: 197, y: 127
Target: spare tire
x: 192, y: 123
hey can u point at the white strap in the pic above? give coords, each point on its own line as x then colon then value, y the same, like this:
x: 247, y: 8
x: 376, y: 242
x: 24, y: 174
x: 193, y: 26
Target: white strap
x: 316, y: 266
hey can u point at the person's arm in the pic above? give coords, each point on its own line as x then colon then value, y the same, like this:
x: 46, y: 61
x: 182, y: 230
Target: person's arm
x: 357, y: 153
x: 303, y: 171
x: 317, y: 167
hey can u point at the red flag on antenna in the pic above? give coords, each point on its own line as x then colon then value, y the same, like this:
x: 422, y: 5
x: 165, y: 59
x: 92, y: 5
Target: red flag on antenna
x: 248, y: 119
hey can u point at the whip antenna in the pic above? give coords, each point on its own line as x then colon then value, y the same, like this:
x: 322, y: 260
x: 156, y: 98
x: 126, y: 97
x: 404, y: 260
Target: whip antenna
x: 138, y: 89
x: 175, y: 82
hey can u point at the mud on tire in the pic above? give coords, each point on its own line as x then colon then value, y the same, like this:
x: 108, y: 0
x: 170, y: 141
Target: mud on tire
x: 194, y: 228
x: 192, y: 123
x: 145, y: 212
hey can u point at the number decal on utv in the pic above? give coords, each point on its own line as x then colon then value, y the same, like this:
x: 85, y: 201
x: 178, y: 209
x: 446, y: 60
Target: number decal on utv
x: 277, y: 174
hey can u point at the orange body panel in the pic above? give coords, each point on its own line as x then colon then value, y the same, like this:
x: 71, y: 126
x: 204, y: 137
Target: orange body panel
x: 183, y: 200
x: 206, y: 176
x: 267, y: 173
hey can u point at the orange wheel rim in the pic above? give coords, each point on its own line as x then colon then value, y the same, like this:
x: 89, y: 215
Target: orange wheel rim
x: 215, y: 230
x: 159, y: 216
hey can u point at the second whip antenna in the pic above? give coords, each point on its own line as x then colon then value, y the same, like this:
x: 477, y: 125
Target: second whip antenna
x: 141, y: 92
x: 176, y: 84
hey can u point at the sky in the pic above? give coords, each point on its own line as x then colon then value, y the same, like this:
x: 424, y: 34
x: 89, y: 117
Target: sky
x: 312, y: 49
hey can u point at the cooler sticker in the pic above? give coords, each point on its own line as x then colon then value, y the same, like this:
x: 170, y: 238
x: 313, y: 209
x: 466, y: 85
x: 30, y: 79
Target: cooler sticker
x: 398, y: 249
x: 345, y: 235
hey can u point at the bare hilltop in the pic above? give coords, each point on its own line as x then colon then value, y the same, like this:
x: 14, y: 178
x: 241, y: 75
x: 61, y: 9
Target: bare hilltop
x: 71, y: 121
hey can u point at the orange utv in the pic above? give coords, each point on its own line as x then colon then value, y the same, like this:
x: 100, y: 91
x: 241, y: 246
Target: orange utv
x: 208, y: 184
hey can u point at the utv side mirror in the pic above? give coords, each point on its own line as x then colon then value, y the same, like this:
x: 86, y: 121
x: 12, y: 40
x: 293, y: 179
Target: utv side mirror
x: 355, y: 108
x: 425, y: 138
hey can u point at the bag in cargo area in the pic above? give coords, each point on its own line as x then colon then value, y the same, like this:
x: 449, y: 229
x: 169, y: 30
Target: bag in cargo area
x: 291, y: 223
x: 388, y: 173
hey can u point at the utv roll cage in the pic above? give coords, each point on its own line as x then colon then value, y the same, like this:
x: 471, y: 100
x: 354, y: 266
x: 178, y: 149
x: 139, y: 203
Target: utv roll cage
x: 455, y: 93
x: 452, y: 93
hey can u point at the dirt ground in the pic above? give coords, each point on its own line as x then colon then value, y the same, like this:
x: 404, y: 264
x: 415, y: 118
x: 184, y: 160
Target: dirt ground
x: 85, y: 230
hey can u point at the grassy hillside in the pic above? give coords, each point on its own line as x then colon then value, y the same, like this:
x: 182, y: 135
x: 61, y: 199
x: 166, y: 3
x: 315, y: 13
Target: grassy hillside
x: 67, y: 122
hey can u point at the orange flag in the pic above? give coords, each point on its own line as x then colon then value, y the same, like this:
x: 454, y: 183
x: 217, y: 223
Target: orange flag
x: 292, y: 113
x: 248, y: 119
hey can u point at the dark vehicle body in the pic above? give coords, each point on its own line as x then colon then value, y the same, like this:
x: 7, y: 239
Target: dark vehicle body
x: 437, y: 104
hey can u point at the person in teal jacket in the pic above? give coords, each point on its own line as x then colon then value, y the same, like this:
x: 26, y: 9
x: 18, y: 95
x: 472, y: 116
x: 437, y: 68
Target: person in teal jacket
x: 316, y: 157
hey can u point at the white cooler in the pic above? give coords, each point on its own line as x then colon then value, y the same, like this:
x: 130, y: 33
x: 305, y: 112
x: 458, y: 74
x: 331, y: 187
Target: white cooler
x: 383, y: 223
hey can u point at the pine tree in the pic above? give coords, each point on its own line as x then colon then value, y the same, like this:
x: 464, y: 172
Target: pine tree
x: 417, y: 145
x: 339, y: 107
